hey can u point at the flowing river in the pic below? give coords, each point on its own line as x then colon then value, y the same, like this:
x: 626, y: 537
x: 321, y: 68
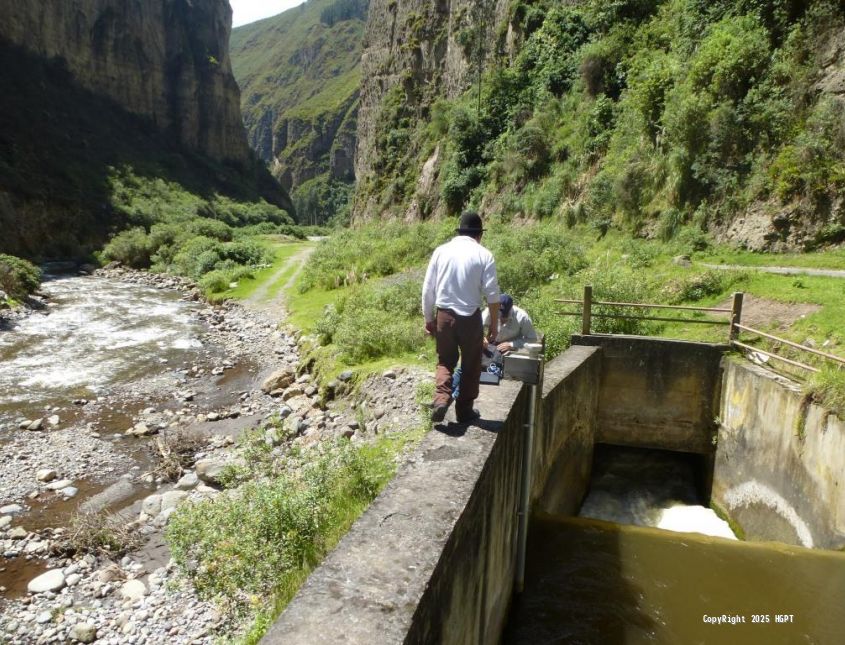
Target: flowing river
x: 95, y: 336
x: 615, y: 574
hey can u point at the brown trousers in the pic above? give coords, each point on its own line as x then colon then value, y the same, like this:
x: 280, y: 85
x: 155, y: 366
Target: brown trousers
x: 456, y: 333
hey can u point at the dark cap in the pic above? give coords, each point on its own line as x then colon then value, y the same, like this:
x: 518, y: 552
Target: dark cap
x: 505, y: 304
x: 470, y: 224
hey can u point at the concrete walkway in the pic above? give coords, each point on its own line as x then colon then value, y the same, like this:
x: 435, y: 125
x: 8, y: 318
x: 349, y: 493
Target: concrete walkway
x: 828, y: 273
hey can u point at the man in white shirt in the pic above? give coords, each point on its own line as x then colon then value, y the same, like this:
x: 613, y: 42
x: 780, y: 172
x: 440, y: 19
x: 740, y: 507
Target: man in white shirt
x: 460, y: 274
x: 515, y: 326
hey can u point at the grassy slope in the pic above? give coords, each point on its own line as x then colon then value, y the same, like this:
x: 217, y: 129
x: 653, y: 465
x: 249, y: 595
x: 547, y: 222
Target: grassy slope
x: 293, y: 65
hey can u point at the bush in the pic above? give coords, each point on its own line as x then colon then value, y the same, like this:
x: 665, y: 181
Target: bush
x: 130, y: 247
x: 529, y: 256
x: 377, y: 319
x: 244, y: 544
x: 18, y: 278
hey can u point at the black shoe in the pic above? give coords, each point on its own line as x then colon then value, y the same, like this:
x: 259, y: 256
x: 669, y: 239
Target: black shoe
x: 467, y: 417
x: 438, y: 412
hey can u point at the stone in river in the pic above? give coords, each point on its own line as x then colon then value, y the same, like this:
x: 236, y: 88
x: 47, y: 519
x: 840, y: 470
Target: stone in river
x: 187, y: 481
x: 11, y: 509
x: 53, y: 420
x: 36, y: 425
x: 59, y: 485
x: 69, y: 491
x: 5, y: 520
x: 52, y: 580
x: 45, y: 475
x: 172, y: 498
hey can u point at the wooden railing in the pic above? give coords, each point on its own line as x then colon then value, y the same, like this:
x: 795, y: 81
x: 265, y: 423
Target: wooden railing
x: 734, y: 324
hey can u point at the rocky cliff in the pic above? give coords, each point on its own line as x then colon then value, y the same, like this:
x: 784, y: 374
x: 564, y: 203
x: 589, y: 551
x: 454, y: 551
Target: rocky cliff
x: 415, y: 53
x: 166, y: 60
x: 299, y: 74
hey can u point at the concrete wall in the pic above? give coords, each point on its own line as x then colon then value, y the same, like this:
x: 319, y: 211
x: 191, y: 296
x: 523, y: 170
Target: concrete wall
x: 657, y: 393
x: 779, y: 470
x: 432, y: 560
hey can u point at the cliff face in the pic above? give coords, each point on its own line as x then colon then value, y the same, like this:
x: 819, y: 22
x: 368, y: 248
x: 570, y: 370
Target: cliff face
x: 165, y: 60
x: 299, y: 74
x: 423, y: 51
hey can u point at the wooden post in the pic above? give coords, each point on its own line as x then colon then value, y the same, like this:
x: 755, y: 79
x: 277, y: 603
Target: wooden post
x: 587, y: 312
x: 736, y: 315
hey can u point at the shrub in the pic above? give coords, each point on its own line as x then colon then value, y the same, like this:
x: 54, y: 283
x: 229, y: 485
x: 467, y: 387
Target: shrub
x: 18, y: 278
x: 244, y: 544
x: 130, y: 247
x: 101, y: 534
x: 532, y: 255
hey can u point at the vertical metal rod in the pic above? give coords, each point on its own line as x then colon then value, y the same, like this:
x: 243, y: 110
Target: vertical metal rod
x: 587, y: 310
x: 736, y: 315
x: 525, y: 495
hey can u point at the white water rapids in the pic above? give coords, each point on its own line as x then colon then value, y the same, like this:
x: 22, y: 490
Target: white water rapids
x: 95, y: 333
x: 649, y: 488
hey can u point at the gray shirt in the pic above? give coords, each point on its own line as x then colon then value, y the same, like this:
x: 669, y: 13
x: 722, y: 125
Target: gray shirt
x: 517, y: 328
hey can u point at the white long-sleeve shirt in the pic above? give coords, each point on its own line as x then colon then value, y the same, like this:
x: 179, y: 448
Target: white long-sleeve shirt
x: 517, y: 329
x: 461, y: 276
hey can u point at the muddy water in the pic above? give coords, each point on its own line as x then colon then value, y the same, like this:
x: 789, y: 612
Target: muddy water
x: 605, y: 582
x: 95, y: 335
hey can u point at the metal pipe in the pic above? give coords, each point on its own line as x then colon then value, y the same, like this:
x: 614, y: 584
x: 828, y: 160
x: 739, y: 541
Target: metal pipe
x: 525, y: 496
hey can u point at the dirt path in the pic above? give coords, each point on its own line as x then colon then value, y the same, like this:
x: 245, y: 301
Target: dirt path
x: 259, y: 300
x: 829, y: 273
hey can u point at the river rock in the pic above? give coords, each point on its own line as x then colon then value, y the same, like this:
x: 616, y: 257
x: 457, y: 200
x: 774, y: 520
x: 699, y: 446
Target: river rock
x: 36, y: 425
x: 142, y: 430
x: 69, y: 491
x: 151, y: 505
x: 84, y: 632
x: 5, y: 521
x: 43, y: 617
x: 285, y: 411
x: 53, y: 420
x: 59, y: 485
x: 133, y: 590
x: 11, y: 509
x: 18, y: 533
x: 292, y: 392
x: 209, y: 471
x: 46, y: 475
x: 278, y: 380
x: 172, y: 498
x: 52, y: 580
x: 187, y: 481
x: 345, y: 376
x: 109, y: 573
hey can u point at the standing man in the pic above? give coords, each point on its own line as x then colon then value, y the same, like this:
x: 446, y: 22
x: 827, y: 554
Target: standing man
x: 459, y: 274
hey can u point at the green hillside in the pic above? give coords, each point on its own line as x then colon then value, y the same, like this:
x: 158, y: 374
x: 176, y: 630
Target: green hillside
x: 643, y: 115
x: 299, y: 74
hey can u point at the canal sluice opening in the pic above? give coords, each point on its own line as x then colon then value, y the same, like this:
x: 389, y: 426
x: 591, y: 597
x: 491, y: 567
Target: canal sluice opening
x: 645, y: 560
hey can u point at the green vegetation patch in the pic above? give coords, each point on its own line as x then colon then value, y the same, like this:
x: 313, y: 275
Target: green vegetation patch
x: 18, y: 278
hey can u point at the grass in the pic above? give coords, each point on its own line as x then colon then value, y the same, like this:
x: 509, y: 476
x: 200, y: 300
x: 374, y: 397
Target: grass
x: 833, y: 259
x: 252, y: 548
x: 282, y: 250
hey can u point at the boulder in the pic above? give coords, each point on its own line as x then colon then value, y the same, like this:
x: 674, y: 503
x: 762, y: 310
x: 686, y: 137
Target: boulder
x: 5, y: 521
x: 292, y: 392
x: 133, y: 590
x: 69, y: 491
x: 18, y: 533
x: 52, y: 580
x: 187, y: 481
x: 151, y: 505
x: 172, y: 498
x: 278, y: 380
x: 59, y: 485
x: 38, y: 424
x: 209, y: 471
x: 53, y: 420
x: 45, y: 475
x: 84, y: 632
x: 11, y: 509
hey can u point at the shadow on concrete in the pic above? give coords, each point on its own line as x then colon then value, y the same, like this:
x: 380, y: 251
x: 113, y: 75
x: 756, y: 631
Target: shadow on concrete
x: 455, y: 429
